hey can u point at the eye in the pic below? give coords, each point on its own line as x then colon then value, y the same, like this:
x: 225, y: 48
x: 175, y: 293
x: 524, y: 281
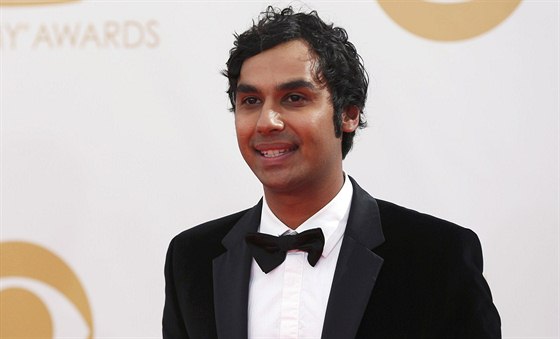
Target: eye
x: 250, y: 101
x: 295, y: 99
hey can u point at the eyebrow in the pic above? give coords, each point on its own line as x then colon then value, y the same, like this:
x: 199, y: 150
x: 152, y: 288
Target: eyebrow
x: 242, y: 88
x: 295, y: 84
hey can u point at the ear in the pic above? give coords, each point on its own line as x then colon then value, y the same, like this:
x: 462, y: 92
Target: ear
x: 350, y: 119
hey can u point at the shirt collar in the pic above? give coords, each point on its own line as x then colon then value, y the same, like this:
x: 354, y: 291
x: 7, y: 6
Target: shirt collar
x: 332, y: 218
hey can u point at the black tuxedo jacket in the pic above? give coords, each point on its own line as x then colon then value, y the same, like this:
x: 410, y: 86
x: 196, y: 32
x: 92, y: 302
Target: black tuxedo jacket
x: 400, y: 274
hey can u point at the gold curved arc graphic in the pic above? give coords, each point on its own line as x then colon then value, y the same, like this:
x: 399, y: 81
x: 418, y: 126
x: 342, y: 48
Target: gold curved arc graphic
x: 448, y: 21
x: 33, y: 2
x: 24, y: 315
x: 22, y: 259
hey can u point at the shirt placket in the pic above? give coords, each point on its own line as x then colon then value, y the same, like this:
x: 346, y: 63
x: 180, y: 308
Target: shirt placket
x: 291, y: 294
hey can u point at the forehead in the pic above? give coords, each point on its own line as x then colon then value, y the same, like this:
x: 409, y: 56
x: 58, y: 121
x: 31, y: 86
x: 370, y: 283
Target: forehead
x: 292, y: 60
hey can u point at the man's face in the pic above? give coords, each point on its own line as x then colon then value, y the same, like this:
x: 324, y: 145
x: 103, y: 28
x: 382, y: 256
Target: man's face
x: 284, y: 121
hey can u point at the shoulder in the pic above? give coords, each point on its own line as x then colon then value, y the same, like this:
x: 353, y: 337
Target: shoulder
x: 435, y: 265
x: 404, y: 224
x: 206, y: 237
x: 401, y: 221
x: 425, y: 234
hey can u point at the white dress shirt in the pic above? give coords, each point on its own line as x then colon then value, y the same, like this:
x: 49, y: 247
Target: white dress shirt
x: 291, y: 300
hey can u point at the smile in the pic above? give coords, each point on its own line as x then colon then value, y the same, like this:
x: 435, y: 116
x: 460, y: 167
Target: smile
x: 273, y: 153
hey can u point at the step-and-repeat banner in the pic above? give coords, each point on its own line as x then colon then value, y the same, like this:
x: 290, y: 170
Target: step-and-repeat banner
x: 116, y: 135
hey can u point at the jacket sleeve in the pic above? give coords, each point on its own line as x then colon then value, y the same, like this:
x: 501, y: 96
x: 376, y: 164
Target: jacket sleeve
x: 172, y: 324
x: 476, y: 315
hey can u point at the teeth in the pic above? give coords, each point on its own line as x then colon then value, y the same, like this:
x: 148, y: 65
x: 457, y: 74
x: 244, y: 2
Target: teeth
x: 274, y: 153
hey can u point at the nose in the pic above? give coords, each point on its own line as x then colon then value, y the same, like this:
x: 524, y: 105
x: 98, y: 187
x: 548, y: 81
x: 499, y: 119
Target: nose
x: 269, y: 121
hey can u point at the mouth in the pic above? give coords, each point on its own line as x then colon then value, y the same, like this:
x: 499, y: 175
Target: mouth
x: 275, y: 152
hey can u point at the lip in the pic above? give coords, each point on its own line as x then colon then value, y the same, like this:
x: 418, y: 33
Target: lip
x: 275, y: 151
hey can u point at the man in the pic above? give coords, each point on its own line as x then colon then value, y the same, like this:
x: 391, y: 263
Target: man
x: 358, y: 267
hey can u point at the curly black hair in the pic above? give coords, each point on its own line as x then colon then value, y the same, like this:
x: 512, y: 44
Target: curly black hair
x: 339, y: 65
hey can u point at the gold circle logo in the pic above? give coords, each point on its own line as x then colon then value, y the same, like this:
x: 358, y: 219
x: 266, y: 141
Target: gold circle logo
x: 24, y: 315
x: 448, y: 21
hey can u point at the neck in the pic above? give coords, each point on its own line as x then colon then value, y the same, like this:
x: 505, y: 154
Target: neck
x: 295, y: 207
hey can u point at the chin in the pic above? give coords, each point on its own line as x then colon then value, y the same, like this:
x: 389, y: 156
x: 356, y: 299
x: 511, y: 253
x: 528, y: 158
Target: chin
x: 279, y: 186
x: 272, y: 182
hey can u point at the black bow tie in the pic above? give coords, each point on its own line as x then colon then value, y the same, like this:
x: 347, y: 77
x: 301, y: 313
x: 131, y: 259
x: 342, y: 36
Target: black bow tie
x: 270, y: 251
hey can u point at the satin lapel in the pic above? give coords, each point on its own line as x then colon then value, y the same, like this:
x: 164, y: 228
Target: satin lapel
x: 357, y: 268
x: 231, y: 278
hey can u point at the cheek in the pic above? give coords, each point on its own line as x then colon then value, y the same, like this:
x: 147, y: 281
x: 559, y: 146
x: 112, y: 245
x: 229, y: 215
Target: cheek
x: 320, y: 124
x: 244, y: 132
x: 320, y: 133
x: 243, y: 128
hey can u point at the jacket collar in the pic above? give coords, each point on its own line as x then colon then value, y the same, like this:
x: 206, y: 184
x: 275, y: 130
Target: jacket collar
x: 357, y: 268
x: 231, y: 273
x: 356, y: 272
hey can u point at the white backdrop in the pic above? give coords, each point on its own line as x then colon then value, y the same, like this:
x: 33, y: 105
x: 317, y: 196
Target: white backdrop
x: 116, y: 135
